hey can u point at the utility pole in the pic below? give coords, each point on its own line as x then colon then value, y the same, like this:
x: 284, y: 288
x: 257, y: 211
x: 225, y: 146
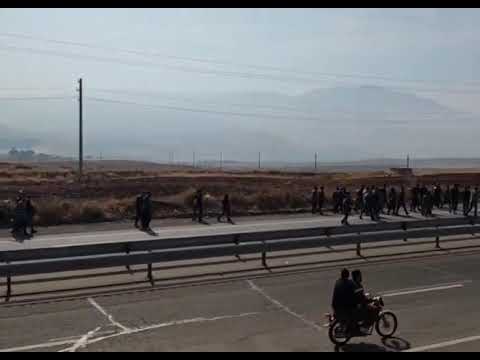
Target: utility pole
x: 193, y: 160
x: 408, y: 161
x: 221, y: 160
x: 259, y: 160
x: 80, y: 128
x: 316, y: 156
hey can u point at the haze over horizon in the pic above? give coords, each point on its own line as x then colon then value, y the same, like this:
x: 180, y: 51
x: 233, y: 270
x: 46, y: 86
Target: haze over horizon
x: 350, y: 84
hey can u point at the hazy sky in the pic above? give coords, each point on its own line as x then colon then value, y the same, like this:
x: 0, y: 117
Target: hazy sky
x: 414, y: 49
x: 410, y: 44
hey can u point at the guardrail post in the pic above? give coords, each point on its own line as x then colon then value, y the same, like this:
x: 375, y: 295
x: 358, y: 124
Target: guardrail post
x: 150, y: 275
x: 236, y: 241
x: 127, y: 250
x: 359, y: 248
x: 9, y: 288
x: 404, y: 228
x: 264, y: 256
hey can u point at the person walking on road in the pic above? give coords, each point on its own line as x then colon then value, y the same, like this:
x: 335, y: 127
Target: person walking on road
x: 392, y: 201
x: 226, y: 210
x: 365, y: 209
x: 30, y: 213
x: 198, y: 206
x: 401, y: 202
x: 455, y: 196
x: 347, y: 207
x: 466, y: 200
x: 447, y: 198
x: 321, y: 200
x: 474, y: 204
x: 20, y: 216
x: 147, y: 211
x: 315, y: 200
x: 138, y: 208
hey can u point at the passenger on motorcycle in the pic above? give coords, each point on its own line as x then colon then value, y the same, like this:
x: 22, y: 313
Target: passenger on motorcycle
x: 364, y: 313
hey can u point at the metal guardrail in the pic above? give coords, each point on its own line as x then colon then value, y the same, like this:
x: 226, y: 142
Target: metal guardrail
x: 147, y: 252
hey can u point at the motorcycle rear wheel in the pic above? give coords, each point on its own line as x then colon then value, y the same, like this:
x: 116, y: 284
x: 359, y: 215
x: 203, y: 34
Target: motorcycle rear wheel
x: 335, y: 332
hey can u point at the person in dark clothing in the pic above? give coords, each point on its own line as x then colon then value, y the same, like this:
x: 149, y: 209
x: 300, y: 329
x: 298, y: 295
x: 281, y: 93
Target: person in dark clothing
x: 392, y: 201
x: 382, y: 198
x: 347, y: 207
x: 467, y: 197
x: 30, y: 213
x: 315, y: 200
x: 401, y: 201
x: 455, y: 196
x: 20, y: 217
x: 343, y: 298
x: 364, y: 314
x: 359, y: 199
x: 198, y: 206
x: 427, y: 204
x: 371, y: 204
x: 335, y: 197
x: 437, y: 196
x: 226, y: 209
x: 147, y: 211
x: 340, y: 197
x: 375, y: 204
x: 321, y: 200
x: 474, y: 203
x: 413, y: 198
x: 447, y: 199
x: 365, y: 209
x: 138, y: 208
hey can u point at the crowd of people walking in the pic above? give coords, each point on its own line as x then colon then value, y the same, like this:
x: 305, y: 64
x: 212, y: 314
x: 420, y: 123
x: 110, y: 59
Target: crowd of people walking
x: 373, y: 201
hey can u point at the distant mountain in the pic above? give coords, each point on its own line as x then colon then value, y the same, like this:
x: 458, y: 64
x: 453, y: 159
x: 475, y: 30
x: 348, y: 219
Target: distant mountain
x: 340, y: 124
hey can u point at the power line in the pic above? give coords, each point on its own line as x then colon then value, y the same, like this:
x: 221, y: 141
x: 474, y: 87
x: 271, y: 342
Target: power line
x: 226, y: 62
x: 244, y: 75
x: 228, y: 113
x: 178, y: 108
x: 77, y: 56
x: 297, y: 109
x: 36, y: 98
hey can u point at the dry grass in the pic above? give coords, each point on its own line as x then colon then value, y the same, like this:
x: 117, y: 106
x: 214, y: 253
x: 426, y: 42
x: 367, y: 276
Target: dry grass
x: 109, y: 194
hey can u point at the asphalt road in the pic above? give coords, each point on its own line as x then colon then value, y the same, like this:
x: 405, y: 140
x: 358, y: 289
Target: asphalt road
x: 75, y: 235
x: 435, y: 299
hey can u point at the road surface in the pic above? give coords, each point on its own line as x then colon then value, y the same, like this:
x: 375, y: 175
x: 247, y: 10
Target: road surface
x: 78, y: 235
x: 436, y: 300
x: 237, y: 307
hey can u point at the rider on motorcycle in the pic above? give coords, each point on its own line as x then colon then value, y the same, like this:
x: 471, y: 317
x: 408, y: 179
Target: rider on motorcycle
x: 343, y: 298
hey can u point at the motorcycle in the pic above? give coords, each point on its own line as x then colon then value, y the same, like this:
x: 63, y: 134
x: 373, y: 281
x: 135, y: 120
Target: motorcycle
x: 385, y: 323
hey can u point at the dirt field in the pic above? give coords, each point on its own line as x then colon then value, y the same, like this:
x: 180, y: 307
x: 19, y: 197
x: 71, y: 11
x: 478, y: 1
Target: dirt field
x: 108, y: 188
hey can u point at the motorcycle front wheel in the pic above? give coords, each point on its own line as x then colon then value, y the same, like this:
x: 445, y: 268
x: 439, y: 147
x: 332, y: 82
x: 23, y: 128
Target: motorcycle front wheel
x: 387, y: 324
x: 338, y: 334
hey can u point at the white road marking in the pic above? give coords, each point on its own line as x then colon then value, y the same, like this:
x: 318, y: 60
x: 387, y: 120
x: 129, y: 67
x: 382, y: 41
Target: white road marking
x: 444, y: 344
x: 82, y: 342
x: 167, y: 324
x: 85, y: 340
x: 109, y: 317
x: 439, y: 287
x: 278, y: 304
x: 39, y: 346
